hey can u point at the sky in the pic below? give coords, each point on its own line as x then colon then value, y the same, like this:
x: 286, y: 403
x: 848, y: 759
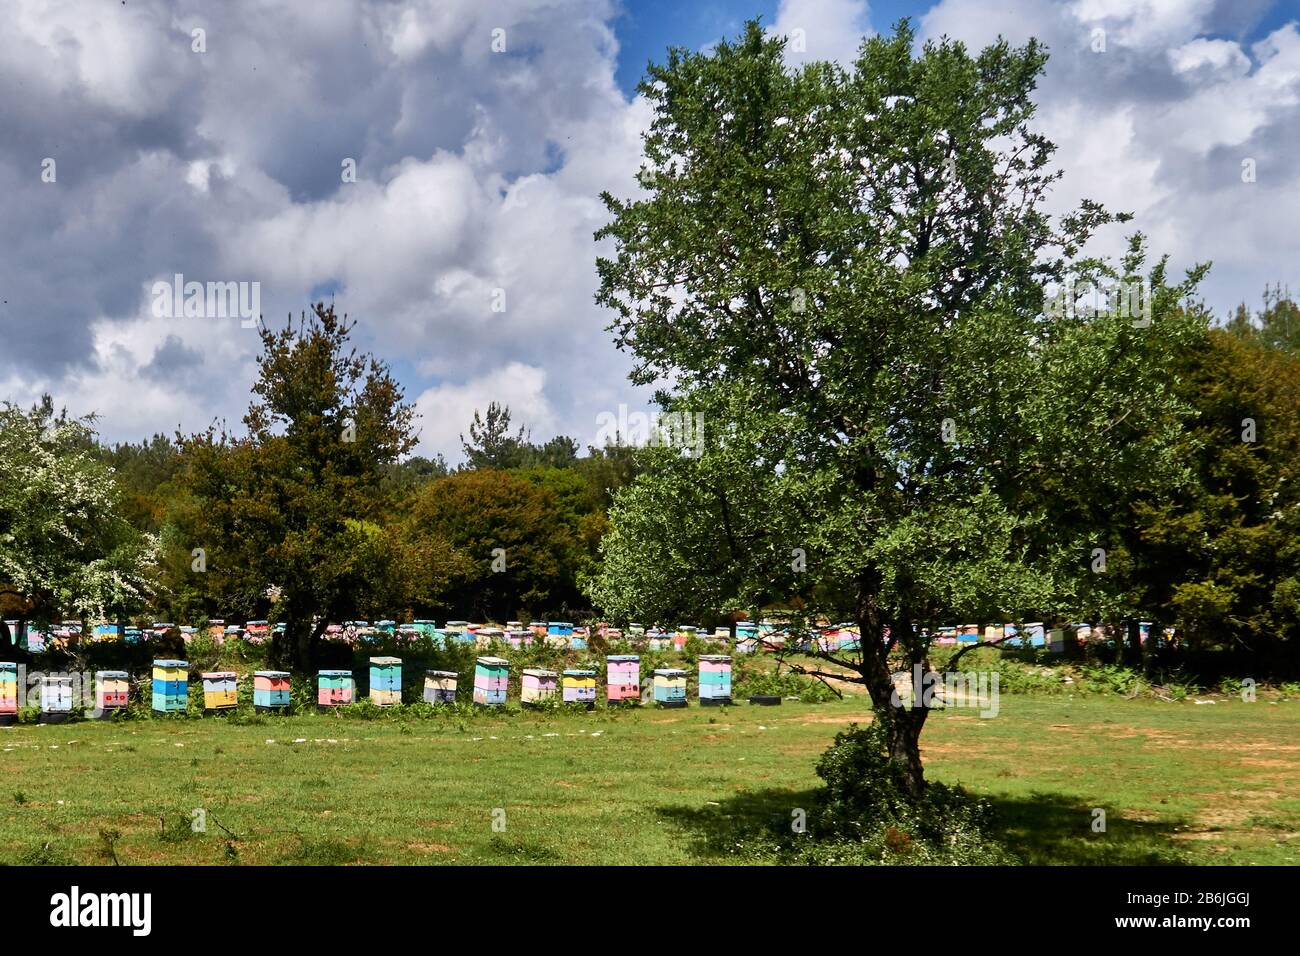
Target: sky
x: 481, y: 133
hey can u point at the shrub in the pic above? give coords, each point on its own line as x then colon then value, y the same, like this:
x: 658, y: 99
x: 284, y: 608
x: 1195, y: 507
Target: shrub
x: 865, y: 815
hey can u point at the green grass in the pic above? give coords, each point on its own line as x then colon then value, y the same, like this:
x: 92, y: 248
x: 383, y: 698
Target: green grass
x: 1179, y: 783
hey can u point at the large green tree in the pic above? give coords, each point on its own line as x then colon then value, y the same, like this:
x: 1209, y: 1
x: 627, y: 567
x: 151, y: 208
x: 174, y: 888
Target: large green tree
x: 65, y: 546
x: 288, y: 514
x: 845, y: 273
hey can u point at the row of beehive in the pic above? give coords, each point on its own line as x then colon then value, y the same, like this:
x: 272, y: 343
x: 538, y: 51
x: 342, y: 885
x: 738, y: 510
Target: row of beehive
x: 170, y: 686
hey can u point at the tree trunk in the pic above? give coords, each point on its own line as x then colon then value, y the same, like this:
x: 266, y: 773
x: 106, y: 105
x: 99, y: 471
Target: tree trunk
x: 902, y: 724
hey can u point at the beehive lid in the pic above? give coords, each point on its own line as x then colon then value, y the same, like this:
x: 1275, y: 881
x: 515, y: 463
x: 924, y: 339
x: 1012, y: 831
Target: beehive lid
x: 164, y: 625
x: 536, y: 623
x: 335, y: 673
x: 56, y: 679
x: 171, y: 663
x: 494, y: 661
x: 426, y: 622
x: 442, y: 673
x: 670, y: 672
x: 539, y: 672
x: 271, y: 673
x: 216, y: 620
x: 8, y: 666
x: 257, y: 623
x: 385, y: 660
x: 107, y: 675
x: 623, y: 657
x: 218, y: 675
x: 579, y: 673
x: 458, y: 623
x: 716, y: 658
x: 490, y: 631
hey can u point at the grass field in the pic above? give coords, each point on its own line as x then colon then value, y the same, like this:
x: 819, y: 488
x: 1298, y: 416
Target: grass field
x: 1179, y: 783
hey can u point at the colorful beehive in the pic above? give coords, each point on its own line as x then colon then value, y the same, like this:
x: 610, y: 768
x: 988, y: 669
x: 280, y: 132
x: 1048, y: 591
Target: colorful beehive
x: 969, y: 634
x: 111, y: 691
x: 514, y: 625
x: 946, y: 635
x: 484, y: 636
x: 578, y: 641
x: 217, y: 629
x: 440, y: 687
x: 578, y: 686
x: 457, y: 627
x: 219, y: 690
x: 132, y: 635
x: 271, y: 692
x: 1144, y: 631
x: 1036, y: 634
x: 257, y: 631
x: 537, y: 685
x: 386, y: 681
x: 684, y: 633
x: 232, y: 631
x: 386, y: 627
x: 746, y: 638
x: 1012, y: 634
x: 490, y: 677
x: 657, y: 640
x: 623, y: 677
x: 715, y: 679
x: 1056, y: 640
x: 171, y: 685
x: 56, y: 698
x: 670, y: 687
x: 160, y: 628
x: 559, y: 628
x: 334, y: 688
x: 538, y: 628
x: 426, y: 628
x: 8, y: 692
x: 850, y: 638
x: 635, y: 631
x: 105, y: 632
x: 35, y: 640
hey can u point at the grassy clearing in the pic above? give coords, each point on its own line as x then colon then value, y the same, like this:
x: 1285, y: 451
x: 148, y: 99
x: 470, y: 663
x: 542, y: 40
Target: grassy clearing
x: 1179, y: 783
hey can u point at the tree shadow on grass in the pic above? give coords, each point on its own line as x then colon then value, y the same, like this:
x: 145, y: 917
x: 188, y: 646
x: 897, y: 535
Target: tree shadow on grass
x: 1039, y: 829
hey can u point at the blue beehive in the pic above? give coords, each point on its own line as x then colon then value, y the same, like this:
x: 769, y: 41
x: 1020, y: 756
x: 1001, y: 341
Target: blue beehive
x: 171, y: 686
x: 271, y: 691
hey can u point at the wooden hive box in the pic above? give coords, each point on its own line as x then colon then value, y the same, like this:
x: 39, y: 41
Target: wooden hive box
x: 220, y: 690
x: 271, y: 692
x: 746, y: 638
x: 538, y: 628
x: 715, y: 680
x: 8, y: 692
x: 623, y: 677
x: 670, y: 687
x: 386, y: 681
x: 537, y: 685
x: 440, y: 687
x: 490, y: 681
x: 112, y: 689
x: 56, y: 698
x: 171, y: 686
x: 578, y: 686
x: 684, y: 633
x: 334, y: 688
x: 105, y: 632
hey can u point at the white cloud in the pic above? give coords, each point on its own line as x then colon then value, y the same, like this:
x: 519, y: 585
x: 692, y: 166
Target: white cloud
x: 822, y: 29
